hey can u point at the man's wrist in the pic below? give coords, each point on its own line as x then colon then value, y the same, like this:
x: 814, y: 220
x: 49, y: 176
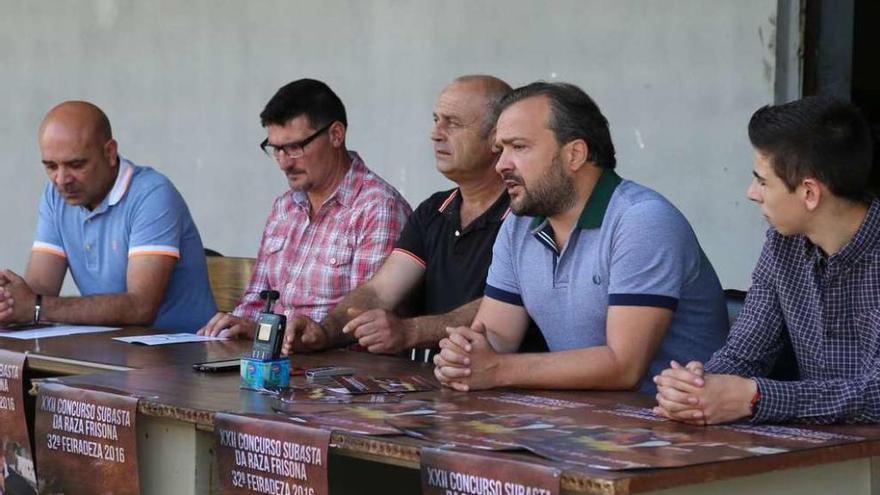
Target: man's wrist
x: 412, y: 334
x: 332, y: 339
x: 750, y: 396
x: 503, y: 374
x: 756, y: 398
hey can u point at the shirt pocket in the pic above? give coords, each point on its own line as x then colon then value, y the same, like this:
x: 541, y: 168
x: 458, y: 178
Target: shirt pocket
x: 334, y: 263
x: 276, y: 236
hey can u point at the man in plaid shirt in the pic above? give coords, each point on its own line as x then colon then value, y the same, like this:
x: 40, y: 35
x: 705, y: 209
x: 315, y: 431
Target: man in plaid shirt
x: 332, y: 230
x: 818, y: 280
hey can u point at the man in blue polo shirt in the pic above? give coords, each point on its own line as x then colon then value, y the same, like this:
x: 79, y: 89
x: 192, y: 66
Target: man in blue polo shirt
x: 610, y: 271
x: 123, y: 230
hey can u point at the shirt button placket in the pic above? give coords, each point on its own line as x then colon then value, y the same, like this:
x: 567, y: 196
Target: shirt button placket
x: 89, y: 244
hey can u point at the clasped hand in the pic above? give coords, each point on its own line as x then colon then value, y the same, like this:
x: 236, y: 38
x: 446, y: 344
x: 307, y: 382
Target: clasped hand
x: 467, y: 360
x: 16, y: 299
x: 689, y: 395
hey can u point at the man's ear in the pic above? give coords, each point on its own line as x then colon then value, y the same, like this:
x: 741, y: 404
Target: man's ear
x: 337, y: 134
x: 575, y: 154
x: 111, y: 152
x: 811, y: 193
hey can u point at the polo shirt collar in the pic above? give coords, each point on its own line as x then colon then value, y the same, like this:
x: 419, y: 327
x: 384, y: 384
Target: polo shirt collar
x: 451, y: 208
x: 594, y: 210
x: 117, y: 192
x: 123, y: 180
x: 348, y: 188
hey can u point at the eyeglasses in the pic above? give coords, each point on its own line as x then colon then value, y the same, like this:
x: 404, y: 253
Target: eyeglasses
x: 291, y: 150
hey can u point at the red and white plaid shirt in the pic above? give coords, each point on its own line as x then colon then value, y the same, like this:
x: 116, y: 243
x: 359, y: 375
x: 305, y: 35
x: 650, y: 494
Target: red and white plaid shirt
x: 314, y: 262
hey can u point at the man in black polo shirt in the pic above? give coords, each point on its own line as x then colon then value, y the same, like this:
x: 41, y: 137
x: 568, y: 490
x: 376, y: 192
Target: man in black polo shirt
x: 442, y: 256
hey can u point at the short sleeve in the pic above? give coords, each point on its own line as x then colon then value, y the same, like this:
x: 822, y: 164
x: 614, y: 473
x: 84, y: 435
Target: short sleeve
x: 157, y: 223
x: 654, y: 254
x: 412, y: 239
x: 502, y: 283
x: 47, y: 238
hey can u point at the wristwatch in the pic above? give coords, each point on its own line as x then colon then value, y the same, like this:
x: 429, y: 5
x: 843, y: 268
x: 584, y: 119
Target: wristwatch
x: 38, y: 305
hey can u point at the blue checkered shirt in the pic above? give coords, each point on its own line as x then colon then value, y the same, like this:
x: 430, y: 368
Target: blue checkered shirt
x: 830, y: 307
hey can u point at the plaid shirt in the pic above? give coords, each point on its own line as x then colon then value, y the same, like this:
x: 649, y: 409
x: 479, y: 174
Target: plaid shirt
x: 314, y: 262
x: 830, y: 307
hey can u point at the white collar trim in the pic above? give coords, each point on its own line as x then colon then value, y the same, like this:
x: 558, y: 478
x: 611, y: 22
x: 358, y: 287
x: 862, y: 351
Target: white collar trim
x: 123, y: 179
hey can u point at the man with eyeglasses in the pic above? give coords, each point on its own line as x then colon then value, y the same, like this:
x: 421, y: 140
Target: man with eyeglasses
x: 332, y: 230
x: 442, y: 256
x: 123, y: 230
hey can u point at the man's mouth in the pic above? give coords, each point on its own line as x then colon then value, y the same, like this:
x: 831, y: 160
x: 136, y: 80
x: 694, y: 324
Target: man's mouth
x: 511, y: 181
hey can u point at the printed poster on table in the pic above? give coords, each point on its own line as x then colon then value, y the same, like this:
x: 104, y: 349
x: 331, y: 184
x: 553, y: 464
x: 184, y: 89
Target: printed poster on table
x: 257, y: 455
x: 384, y: 385
x: 630, y: 438
x: 17, y: 468
x: 86, y: 441
x: 365, y: 419
x: 450, y: 472
x: 478, y: 429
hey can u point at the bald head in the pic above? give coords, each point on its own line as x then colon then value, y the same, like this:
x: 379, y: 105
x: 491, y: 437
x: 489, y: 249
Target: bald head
x: 464, y: 120
x: 80, y: 118
x: 78, y: 152
x: 492, y: 89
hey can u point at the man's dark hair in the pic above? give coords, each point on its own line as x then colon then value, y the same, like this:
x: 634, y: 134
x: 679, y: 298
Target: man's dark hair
x: 308, y: 97
x: 573, y: 115
x: 820, y: 137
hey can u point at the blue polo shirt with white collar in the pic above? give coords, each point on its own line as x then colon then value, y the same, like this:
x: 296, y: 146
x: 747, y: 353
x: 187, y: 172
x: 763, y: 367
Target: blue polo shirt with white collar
x: 630, y: 247
x: 143, y: 214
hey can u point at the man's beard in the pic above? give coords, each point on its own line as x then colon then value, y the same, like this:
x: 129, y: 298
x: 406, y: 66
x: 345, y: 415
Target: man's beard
x: 551, y: 194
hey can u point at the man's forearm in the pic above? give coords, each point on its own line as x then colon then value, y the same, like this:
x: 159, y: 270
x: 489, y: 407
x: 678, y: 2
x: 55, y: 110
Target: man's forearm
x: 593, y: 368
x: 427, y: 331
x: 105, y: 309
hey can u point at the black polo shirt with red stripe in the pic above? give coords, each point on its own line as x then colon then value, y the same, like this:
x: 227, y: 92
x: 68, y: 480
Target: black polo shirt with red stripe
x: 456, y: 259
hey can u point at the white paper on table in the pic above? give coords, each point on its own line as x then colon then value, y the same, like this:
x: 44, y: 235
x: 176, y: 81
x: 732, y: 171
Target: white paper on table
x: 167, y: 338
x: 50, y: 331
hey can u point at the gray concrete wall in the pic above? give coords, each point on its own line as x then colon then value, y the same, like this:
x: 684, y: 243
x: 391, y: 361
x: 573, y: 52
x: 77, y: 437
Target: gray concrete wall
x: 183, y: 83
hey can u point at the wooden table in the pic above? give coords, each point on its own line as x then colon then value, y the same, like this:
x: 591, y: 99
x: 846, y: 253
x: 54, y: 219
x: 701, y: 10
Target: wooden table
x: 96, y: 352
x: 176, y: 443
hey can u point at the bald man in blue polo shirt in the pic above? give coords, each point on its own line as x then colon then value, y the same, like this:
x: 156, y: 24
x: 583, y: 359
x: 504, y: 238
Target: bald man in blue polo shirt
x: 123, y: 230
x: 610, y: 271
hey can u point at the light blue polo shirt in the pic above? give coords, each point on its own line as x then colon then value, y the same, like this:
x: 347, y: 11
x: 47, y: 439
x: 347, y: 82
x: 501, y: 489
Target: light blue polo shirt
x: 631, y: 247
x: 142, y: 215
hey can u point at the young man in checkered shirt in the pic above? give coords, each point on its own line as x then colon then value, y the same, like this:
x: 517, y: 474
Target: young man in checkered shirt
x: 817, y: 280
